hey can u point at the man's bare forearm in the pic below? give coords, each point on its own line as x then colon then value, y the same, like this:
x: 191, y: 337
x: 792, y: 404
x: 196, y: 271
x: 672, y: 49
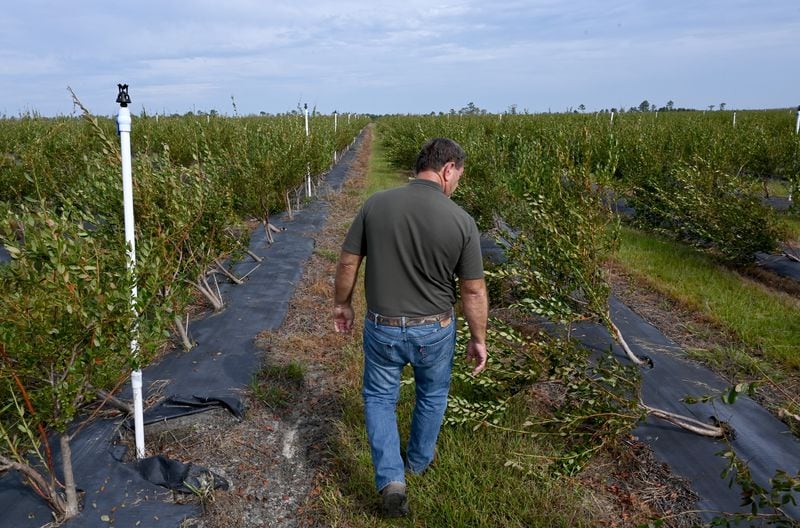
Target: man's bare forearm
x: 346, y: 275
x: 475, y: 303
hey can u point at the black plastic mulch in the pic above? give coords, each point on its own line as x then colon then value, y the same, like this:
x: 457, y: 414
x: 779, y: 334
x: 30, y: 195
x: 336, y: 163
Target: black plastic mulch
x: 779, y: 203
x: 781, y: 264
x: 213, y: 374
x: 760, y: 439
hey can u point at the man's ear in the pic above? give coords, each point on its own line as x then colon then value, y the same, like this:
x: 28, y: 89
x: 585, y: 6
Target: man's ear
x: 449, y: 166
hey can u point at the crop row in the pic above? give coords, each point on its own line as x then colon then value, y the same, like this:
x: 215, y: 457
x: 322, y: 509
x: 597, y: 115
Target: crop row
x: 694, y: 176
x: 65, y: 309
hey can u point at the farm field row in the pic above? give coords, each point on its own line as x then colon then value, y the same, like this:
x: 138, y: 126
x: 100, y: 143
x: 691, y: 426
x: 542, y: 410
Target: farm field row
x: 517, y: 448
x: 66, y: 319
x: 542, y: 184
x: 550, y: 178
x: 748, y: 330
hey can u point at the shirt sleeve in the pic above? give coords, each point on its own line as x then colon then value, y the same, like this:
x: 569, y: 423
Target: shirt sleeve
x: 356, y: 240
x: 470, y: 265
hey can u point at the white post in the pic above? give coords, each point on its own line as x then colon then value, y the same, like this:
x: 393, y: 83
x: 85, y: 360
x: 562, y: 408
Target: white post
x: 308, y: 165
x: 734, y: 120
x: 797, y: 125
x: 124, y: 127
x: 612, y: 118
x: 335, y: 127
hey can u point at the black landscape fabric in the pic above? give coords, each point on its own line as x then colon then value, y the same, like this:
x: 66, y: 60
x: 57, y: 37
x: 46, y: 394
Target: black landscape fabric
x: 760, y: 439
x: 215, y: 371
x: 781, y: 264
x: 213, y: 374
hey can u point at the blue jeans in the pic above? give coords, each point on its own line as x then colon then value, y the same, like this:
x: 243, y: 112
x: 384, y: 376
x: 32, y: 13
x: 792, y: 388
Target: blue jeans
x: 387, y: 349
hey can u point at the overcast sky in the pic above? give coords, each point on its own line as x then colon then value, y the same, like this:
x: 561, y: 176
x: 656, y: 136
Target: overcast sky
x: 399, y: 56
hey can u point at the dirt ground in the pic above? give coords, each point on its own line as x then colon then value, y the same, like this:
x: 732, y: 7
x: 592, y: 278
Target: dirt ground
x: 276, y: 458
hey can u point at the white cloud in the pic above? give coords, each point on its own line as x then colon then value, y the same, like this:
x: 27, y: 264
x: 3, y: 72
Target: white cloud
x: 406, y: 53
x: 26, y: 65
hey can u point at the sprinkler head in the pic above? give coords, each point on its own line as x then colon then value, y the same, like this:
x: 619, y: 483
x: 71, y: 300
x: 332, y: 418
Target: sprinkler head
x: 123, y: 98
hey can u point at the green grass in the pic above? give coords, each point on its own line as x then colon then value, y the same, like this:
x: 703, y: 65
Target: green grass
x: 468, y: 485
x: 275, y: 385
x: 767, y: 322
x: 381, y: 174
x: 328, y: 254
x: 792, y: 224
x: 778, y: 187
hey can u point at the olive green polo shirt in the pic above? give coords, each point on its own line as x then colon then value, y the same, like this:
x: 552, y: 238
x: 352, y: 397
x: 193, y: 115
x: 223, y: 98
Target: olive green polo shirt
x: 416, y: 241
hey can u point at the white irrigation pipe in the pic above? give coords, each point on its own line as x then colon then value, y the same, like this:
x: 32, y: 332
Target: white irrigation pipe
x: 308, y: 165
x: 797, y: 125
x: 335, y: 126
x: 124, y: 127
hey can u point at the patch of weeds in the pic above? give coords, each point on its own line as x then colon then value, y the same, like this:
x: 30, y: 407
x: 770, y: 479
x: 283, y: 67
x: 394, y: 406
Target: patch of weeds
x: 203, y: 489
x: 328, y: 254
x: 276, y: 385
x: 734, y: 362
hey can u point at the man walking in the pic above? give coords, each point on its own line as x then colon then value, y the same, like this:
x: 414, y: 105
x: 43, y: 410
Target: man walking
x: 416, y: 242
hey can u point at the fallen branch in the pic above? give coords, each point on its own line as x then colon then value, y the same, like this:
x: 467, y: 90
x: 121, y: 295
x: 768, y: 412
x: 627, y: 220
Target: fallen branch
x: 251, y: 271
x: 690, y: 424
x: 38, y: 483
x: 621, y: 340
x: 113, y: 401
x: 254, y: 256
x: 227, y: 272
x: 784, y: 413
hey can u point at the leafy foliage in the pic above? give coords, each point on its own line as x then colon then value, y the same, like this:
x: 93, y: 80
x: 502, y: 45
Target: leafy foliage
x: 66, y: 318
x: 767, y: 504
x: 595, y: 400
x: 707, y: 209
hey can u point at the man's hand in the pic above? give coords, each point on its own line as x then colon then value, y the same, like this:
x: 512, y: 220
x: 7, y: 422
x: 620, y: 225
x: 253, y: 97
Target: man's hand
x: 476, y: 353
x: 343, y: 318
x: 475, y: 301
x: 345, y: 282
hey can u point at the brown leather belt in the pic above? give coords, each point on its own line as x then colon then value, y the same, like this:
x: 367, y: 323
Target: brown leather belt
x: 443, y: 319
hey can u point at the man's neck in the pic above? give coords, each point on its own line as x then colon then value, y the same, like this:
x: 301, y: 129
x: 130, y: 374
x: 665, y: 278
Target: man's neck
x: 432, y: 176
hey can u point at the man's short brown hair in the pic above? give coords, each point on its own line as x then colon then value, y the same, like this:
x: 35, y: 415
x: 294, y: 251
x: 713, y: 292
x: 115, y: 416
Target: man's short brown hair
x: 437, y: 152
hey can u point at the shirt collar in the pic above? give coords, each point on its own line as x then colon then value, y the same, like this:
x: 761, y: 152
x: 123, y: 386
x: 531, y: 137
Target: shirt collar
x: 427, y: 183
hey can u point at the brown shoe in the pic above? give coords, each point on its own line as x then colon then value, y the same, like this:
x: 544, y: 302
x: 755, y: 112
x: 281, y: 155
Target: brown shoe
x: 394, y: 499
